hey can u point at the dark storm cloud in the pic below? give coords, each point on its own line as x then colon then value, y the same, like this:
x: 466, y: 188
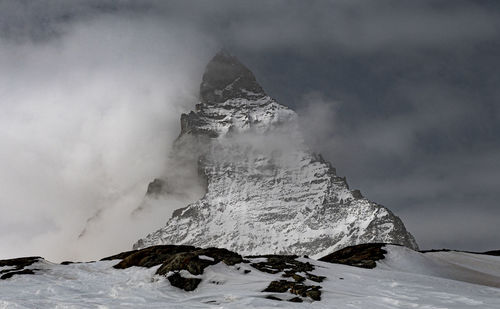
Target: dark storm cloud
x: 426, y: 146
x: 401, y: 96
x: 262, y: 25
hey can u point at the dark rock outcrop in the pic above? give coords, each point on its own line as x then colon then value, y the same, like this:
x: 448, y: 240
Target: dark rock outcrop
x: 227, y: 78
x: 299, y: 289
x: 281, y: 263
x: 187, y: 284
x: 363, y: 256
x: 17, y: 272
x: 156, y: 187
x: 492, y: 252
x: 18, y: 266
x: 272, y: 297
x: 290, y: 267
x: 295, y: 300
x: 174, y: 259
x: 119, y: 256
x: 196, y: 261
x: 150, y: 256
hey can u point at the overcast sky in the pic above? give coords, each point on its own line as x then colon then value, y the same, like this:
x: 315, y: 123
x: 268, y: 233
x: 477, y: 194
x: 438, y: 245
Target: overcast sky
x: 401, y: 96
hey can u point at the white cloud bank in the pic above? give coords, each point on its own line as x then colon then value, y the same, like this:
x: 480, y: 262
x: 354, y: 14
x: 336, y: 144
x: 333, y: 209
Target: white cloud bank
x: 86, y: 122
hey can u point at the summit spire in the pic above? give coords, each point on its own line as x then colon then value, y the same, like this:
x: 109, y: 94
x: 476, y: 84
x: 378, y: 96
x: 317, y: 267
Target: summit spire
x: 266, y: 192
x: 227, y: 78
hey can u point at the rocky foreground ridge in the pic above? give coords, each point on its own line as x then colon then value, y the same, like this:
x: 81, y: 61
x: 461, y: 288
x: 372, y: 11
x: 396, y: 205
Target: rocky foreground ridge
x: 266, y: 192
x: 182, y: 265
x: 169, y: 276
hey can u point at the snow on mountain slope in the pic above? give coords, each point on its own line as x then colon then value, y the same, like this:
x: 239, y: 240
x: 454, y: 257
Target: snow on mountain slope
x: 266, y: 192
x: 405, y: 279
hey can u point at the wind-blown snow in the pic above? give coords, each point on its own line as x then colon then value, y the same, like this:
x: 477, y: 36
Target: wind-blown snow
x: 405, y: 279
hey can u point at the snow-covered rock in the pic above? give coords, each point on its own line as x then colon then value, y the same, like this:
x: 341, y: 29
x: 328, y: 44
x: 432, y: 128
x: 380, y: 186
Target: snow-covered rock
x: 266, y: 191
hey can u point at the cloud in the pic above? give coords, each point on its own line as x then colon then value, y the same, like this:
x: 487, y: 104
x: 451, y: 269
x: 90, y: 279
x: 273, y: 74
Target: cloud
x: 87, y: 121
x: 362, y: 26
x: 359, y: 26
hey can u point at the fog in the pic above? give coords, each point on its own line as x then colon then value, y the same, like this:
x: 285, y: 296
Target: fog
x: 87, y: 121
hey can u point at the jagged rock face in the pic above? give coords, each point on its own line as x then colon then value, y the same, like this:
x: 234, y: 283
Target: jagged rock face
x: 226, y: 78
x: 267, y: 193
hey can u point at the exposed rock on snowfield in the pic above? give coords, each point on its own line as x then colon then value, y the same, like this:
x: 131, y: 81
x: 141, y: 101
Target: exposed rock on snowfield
x: 11, y: 267
x: 174, y: 259
x: 169, y: 276
x: 364, y: 255
x: 266, y: 192
x: 182, y: 266
x: 192, y: 260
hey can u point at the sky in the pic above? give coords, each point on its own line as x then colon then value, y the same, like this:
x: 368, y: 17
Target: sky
x: 401, y: 96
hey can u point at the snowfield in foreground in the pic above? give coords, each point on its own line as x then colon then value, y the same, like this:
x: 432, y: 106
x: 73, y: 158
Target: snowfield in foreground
x: 404, y: 279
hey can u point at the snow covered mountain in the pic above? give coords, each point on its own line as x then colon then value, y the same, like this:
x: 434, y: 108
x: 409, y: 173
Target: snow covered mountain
x: 266, y: 192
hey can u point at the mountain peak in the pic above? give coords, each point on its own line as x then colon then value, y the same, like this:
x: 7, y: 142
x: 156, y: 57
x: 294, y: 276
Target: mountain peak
x: 266, y: 192
x: 227, y: 78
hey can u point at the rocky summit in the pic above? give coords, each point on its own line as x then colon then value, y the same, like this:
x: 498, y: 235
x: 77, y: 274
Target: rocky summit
x: 266, y: 192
